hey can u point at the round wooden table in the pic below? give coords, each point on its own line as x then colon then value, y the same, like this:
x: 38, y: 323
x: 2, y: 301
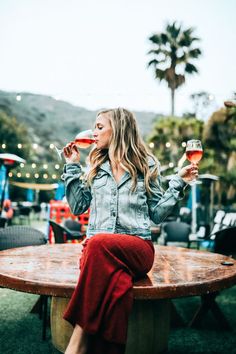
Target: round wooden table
x: 53, y: 270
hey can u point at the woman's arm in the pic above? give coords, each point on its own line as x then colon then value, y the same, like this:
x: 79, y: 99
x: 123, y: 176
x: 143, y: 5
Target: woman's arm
x: 78, y: 194
x: 161, y: 203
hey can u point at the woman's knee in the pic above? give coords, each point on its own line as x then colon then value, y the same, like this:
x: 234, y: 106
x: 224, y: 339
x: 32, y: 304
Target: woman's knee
x: 96, y: 241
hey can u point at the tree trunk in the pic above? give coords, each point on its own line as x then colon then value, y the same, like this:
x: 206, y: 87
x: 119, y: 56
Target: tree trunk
x: 172, y: 102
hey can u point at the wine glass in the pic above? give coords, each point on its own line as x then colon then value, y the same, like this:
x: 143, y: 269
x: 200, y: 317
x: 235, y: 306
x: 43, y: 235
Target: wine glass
x: 82, y: 140
x: 194, y: 153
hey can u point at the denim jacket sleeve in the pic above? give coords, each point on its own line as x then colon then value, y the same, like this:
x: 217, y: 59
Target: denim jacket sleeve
x: 161, y: 203
x: 78, y: 194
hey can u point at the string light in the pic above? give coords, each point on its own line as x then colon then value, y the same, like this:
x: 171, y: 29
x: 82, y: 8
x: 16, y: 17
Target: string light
x: 35, y: 146
x: 171, y: 164
x: 33, y: 165
x: 19, y: 146
x: 151, y: 145
x: 184, y: 144
x: 18, y: 97
x: 168, y: 144
x: 4, y: 146
x: 51, y: 146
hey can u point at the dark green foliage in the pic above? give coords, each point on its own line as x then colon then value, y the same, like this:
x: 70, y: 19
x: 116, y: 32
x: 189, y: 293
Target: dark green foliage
x: 175, y: 131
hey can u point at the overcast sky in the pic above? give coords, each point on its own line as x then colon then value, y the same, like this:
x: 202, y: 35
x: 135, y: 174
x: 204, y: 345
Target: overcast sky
x: 93, y: 53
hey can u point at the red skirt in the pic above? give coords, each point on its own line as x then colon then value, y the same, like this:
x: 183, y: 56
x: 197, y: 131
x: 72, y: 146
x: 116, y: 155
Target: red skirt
x: 103, y: 297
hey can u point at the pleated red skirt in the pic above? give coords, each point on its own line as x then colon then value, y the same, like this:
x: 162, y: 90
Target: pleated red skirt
x: 103, y: 297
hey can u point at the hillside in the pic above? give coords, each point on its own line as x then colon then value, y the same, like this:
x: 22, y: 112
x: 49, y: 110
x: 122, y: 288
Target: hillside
x: 50, y: 120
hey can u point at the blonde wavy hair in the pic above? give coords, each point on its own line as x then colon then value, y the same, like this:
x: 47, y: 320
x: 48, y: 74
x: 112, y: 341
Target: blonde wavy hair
x: 126, y: 147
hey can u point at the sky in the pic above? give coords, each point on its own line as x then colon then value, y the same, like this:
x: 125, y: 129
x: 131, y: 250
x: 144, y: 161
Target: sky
x: 93, y: 53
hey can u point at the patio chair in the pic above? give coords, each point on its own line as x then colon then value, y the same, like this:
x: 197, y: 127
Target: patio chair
x: 177, y: 231
x: 63, y: 234
x: 21, y: 236
x: 72, y: 225
x: 3, y: 222
x: 224, y: 243
x: 24, y: 214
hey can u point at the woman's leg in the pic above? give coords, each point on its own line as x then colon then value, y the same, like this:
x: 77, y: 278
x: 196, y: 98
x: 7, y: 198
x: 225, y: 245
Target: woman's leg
x: 78, y: 342
x: 102, y: 300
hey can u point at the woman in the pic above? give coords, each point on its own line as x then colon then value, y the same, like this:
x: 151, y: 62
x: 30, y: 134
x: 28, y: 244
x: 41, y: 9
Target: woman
x: 124, y: 194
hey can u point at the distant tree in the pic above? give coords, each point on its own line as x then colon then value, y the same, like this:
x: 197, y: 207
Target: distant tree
x: 172, y: 54
x: 219, y: 138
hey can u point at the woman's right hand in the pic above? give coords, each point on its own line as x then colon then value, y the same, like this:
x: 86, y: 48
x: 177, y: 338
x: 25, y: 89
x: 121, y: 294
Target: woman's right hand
x: 71, y: 153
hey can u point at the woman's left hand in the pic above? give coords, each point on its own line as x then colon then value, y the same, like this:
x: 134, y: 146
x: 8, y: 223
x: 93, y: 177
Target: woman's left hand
x: 189, y: 173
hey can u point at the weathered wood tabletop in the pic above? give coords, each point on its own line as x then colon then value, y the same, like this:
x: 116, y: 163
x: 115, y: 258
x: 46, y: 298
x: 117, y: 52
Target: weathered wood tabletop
x: 53, y: 270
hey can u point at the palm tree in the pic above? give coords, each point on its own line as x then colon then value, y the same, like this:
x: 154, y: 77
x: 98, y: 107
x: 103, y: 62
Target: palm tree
x: 172, y: 53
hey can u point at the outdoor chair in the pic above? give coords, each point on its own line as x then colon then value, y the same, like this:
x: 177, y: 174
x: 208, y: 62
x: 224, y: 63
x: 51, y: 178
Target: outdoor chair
x: 24, y: 214
x: 63, y: 234
x: 3, y: 222
x: 222, y: 220
x: 37, y: 211
x: 224, y: 243
x: 72, y: 225
x: 177, y: 231
x: 21, y: 236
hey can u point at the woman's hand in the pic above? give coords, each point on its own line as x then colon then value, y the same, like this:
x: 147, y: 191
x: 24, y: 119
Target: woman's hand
x: 189, y: 173
x: 71, y: 153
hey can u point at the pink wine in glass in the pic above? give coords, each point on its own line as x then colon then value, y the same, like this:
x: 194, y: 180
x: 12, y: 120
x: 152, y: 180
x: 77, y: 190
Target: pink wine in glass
x: 84, y: 143
x: 83, y: 140
x: 194, y: 156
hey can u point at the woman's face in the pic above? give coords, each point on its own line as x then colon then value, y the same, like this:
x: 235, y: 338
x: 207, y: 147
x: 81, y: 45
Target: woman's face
x: 103, y: 131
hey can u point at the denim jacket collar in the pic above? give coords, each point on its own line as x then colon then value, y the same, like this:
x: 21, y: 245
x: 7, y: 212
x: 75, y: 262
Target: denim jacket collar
x: 106, y: 165
x: 107, y: 168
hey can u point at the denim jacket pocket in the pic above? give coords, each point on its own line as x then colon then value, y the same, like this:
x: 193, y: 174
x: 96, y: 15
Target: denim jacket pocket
x: 140, y: 187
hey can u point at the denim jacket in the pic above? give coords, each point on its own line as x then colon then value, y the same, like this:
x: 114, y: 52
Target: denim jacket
x: 114, y: 208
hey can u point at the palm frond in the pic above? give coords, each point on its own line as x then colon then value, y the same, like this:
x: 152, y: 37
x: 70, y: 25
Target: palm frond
x: 160, y: 74
x: 173, y: 30
x: 153, y: 62
x: 155, y: 51
x: 194, y: 53
x: 164, y: 38
x: 190, y: 68
x: 156, y: 39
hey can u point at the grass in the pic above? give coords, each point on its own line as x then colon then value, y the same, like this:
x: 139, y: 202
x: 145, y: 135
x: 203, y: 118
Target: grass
x: 21, y: 331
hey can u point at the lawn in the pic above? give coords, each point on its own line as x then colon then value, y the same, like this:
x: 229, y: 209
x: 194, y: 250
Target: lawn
x: 21, y: 331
